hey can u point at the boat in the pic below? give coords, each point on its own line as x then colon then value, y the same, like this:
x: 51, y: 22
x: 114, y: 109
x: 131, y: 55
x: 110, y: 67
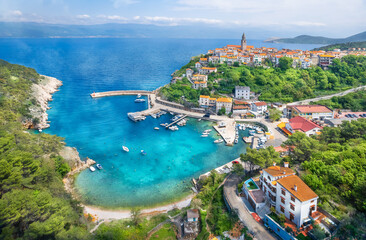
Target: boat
x: 208, y: 130
x: 138, y: 95
x: 136, y: 117
x: 40, y: 130
x: 218, y: 141
x: 156, y: 128
x: 204, y: 135
x: 199, y: 119
x: 125, y: 149
x: 163, y: 124
x: 143, y: 152
x: 236, y: 141
x: 99, y: 166
x: 139, y: 100
x: 247, y: 139
x: 92, y: 168
x: 173, y: 128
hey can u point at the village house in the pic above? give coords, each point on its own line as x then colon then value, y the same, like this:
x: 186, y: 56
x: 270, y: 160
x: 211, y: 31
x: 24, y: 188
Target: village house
x: 189, y: 73
x: 199, y: 84
x: 198, y: 65
x: 224, y: 103
x: 204, y: 101
x: 259, y: 107
x: 203, y: 61
x: 288, y: 193
x: 309, y: 112
x: 242, y: 92
x: 199, y: 77
x: 191, y: 225
x: 325, y: 60
x: 240, y: 107
x: 207, y: 70
x: 302, y: 125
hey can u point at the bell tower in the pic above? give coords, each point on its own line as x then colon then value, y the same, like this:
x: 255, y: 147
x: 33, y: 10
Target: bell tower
x: 243, y: 42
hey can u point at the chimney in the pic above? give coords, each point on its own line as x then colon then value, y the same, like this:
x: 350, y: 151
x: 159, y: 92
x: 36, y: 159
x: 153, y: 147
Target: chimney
x: 295, y: 188
x: 274, y: 164
x: 285, y: 164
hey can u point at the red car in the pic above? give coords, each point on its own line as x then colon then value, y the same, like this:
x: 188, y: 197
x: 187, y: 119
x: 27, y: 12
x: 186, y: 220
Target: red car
x: 235, y: 162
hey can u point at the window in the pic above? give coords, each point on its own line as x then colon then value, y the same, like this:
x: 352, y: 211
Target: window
x: 292, y: 207
x: 282, y: 209
x: 292, y: 198
x: 283, y: 192
x: 269, y: 178
x: 292, y: 217
x: 282, y: 200
x: 312, y: 201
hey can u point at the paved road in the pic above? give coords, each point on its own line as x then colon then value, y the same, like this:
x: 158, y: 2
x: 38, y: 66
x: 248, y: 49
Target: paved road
x: 258, y: 230
x: 307, y: 101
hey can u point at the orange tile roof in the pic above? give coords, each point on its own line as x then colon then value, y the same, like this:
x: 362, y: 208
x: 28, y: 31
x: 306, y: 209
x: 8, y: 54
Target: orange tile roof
x: 302, y: 124
x: 203, y: 59
x: 303, y: 192
x: 228, y: 100
x: 204, y: 96
x: 278, y: 171
x: 260, y: 103
x: 327, y: 55
x: 209, y: 68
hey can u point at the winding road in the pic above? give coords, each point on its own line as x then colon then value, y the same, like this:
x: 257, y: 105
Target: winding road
x: 307, y: 101
x: 258, y: 230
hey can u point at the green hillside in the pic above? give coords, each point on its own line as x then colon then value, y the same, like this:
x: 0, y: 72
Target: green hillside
x: 343, y: 46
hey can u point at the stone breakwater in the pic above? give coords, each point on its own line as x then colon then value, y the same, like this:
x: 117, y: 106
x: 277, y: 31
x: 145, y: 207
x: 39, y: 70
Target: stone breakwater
x: 42, y: 92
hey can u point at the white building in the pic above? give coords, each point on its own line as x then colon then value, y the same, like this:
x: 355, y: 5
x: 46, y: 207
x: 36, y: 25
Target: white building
x: 197, y: 65
x: 199, y: 84
x: 189, y: 73
x: 259, y: 107
x: 204, y: 101
x: 242, y: 92
x: 224, y: 103
x: 288, y: 193
x: 295, y: 199
x: 207, y: 70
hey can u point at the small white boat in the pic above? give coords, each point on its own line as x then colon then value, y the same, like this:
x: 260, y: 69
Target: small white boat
x: 163, y: 124
x: 199, y: 119
x: 92, y: 168
x: 218, y: 141
x: 125, y: 149
x: 143, y: 152
x: 204, y: 135
x: 138, y: 95
x: 99, y: 166
x: 40, y: 130
x: 208, y: 130
x: 173, y: 128
x: 156, y: 128
x: 236, y: 141
x: 139, y: 100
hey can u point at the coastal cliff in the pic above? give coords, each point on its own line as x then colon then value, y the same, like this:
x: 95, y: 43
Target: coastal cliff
x: 42, y: 92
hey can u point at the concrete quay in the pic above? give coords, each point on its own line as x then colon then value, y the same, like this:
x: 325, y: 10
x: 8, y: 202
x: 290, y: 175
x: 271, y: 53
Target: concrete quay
x: 119, y: 93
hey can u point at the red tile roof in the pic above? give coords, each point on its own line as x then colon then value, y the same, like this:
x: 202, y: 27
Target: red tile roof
x: 312, y: 109
x: 302, y: 124
x: 260, y: 104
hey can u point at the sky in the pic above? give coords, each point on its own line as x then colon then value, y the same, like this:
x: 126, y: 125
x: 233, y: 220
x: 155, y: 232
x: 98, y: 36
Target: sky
x: 332, y: 18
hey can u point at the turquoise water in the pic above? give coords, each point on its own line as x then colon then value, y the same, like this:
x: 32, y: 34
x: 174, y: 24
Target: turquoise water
x: 99, y: 127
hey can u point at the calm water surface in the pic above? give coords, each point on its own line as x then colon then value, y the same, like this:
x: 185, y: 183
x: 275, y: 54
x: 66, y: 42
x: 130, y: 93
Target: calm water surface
x: 99, y: 127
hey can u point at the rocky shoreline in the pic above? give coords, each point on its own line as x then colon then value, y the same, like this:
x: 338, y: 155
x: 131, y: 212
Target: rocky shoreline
x: 42, y: 92
x: 71, y: 156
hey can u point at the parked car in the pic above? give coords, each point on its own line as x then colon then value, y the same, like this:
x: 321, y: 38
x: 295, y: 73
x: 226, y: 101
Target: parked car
x: 235, y: 162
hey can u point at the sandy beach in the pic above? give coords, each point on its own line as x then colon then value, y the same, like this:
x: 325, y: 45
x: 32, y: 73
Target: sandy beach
x: 103, y: 214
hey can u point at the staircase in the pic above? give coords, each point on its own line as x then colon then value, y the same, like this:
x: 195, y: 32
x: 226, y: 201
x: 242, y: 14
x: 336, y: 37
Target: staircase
x: 264, y: 210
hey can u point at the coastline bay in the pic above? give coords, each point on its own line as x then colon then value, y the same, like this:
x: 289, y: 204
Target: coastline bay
x: 98, y: 127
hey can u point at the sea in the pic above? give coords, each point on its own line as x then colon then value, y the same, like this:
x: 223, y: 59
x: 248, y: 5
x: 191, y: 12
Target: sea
x: 98, y: 128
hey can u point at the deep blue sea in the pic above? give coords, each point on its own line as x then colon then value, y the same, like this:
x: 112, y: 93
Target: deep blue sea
x: 99, y: 127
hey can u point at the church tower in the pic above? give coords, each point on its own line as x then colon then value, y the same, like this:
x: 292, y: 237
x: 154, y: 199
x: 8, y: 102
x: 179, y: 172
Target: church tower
x: 243, y: 42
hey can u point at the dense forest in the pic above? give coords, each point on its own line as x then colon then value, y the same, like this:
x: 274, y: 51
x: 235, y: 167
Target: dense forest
x: 343, y: 46
x: 274, y: 84
x: 33, y: 202
x: 334, y: 166
x: 355, y: 101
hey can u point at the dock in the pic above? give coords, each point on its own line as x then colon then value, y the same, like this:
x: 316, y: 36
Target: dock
x: 120, y: 93
x: 170, y: 124
x: 227, y: 132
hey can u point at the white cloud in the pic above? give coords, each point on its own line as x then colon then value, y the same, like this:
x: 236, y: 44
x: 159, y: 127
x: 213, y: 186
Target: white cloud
x: 16, y: 13
x: 311, y: 24
x: 83, y: 16
x: 136, y: 17
x: 113, y: 17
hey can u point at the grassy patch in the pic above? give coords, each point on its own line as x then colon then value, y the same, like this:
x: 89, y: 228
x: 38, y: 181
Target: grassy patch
x: 166, y: 232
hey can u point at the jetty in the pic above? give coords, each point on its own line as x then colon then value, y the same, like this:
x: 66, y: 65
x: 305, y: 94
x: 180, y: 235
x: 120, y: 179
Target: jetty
x: 120, y: 93
x: 178, y: 120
